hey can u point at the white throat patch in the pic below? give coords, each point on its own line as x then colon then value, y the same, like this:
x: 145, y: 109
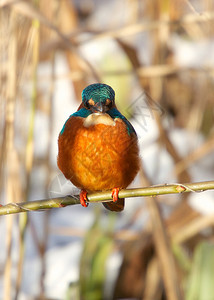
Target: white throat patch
x: 98, y: 118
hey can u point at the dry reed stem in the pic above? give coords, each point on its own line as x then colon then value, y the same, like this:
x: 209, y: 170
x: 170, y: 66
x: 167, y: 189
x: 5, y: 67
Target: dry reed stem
x: 152, y: 281
x: 42, y: 245
x: 197, y: 154
x: 30, y: 11
x: 166, y: 261
x: 23, y: 221
x: 192, y: 228
x: 164, y: 253
x: 10, y: 152
x: 149, y: 72
x: 161, y: 240
x: 133, y: 29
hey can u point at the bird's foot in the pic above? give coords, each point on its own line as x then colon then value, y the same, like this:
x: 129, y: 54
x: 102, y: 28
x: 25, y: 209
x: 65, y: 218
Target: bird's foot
x: 114, y: 194
x: 83, y: 198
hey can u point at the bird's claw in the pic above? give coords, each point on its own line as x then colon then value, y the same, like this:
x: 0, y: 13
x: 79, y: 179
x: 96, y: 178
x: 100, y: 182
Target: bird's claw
x: 83, y: 198
x: 114, y: 194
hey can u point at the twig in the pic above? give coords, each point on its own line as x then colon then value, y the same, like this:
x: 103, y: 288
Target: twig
x: 151, y: 191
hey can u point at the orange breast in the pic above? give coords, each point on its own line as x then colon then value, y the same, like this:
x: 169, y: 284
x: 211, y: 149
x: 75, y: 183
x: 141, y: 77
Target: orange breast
x: 98, y: 157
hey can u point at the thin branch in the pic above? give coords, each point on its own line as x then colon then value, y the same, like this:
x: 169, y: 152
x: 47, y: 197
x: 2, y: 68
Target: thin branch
x: 151, y: 191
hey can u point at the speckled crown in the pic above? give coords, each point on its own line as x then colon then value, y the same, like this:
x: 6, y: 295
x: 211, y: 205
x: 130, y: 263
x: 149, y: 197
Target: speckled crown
x: 98, y: 92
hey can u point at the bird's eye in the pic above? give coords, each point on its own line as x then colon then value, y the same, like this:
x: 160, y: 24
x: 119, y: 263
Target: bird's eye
x: 109, y: 103
x: 87, y: 105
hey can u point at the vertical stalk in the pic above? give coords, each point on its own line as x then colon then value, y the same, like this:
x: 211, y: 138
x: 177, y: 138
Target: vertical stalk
x: 23, y: 220
x: 164, y: 252
x: 9, y: 147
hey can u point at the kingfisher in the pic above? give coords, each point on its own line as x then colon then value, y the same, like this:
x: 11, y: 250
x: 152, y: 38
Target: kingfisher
x: 98, y: 147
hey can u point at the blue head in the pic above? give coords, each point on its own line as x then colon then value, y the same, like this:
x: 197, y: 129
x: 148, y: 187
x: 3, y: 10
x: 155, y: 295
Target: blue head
x: 98, y: 97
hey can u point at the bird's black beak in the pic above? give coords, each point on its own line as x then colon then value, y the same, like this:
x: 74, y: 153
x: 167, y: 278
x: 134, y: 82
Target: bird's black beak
x: 100, y: 107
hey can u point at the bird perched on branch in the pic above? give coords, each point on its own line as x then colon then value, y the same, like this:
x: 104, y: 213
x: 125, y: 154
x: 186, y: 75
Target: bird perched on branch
x: 98, y: 147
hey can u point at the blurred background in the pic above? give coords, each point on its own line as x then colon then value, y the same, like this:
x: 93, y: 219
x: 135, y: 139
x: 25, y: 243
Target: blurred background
x: 158, y: 56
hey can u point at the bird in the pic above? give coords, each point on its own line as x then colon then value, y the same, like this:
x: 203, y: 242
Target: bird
x: 98, y: 147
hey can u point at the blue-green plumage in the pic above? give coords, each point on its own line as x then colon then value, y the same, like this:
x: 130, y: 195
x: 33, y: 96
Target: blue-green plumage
x: 114, y: 113
x: 99, y: 93
x: 83, y: 112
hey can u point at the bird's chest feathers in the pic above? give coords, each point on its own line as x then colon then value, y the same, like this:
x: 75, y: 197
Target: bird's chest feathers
x: 98, y: 118
x: 97, y: 152
x: 100, y: 137
x: 100, y: 129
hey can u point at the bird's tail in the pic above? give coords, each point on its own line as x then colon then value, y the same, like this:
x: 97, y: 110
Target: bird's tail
x: 115, y: 206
